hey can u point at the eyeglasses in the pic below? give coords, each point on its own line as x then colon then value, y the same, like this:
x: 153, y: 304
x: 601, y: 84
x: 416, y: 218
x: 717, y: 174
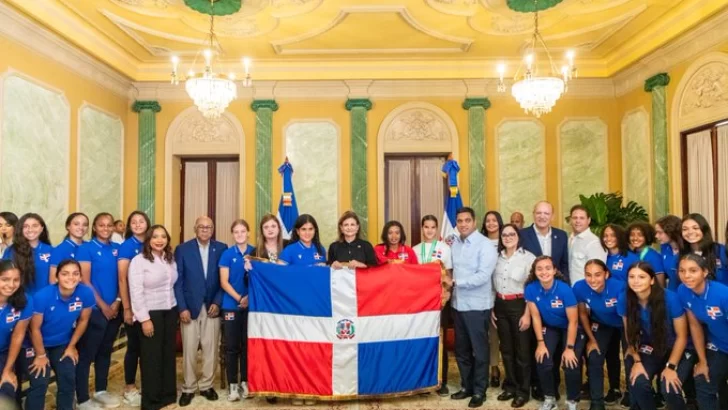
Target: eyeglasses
x: 509, y: 235
x: 205, y: 227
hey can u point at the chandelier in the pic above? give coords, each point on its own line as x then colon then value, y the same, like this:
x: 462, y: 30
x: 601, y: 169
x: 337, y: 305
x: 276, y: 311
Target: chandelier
x: 538, y: 92
x: 211, y: 92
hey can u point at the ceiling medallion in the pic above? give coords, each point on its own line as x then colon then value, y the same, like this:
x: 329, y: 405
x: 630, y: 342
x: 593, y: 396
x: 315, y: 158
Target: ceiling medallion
x: 538, y: 92
x: 212, y: 92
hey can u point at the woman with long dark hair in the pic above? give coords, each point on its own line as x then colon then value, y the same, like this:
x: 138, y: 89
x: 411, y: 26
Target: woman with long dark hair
x: 668, y: 231
x: 393, y: 248
x: 698, y: 239
x: 619, y: 256
x: 656, y: 333
x: 350, y: 248
x: 31, y: 252
x: 305, y: 246
x: 76, y: 230
x: 641, y: 237
x: 8, y: 221
x: 492, y: 227
x: 16, y: 309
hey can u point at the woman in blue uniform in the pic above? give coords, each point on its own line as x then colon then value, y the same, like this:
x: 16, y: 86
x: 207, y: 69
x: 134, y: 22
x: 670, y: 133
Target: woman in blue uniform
x: 76, y: 230
x: 305, y: 247
x: 698, y: 238
x: 555, y: 321
x: 668, y: 231
x: 656, y: 332
x: 235, y: 309
x: 597, y: 295
x: 641, y: 237
x: 31, y: 252
x: 8, y: 221
x: 16, y: 308
x: 99, y: 271
x: 619, y: 256
x: 137, y: 225
x: 60, y: 317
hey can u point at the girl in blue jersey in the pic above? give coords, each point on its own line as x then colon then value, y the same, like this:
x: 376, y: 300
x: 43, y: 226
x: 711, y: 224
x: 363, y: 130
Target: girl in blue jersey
x: 8, y: 221
x: 597, y: 295
x: 99, y: 271
x: 137, y: 225
x: 555, y: 321
x: 31, y: 252
x: 706, y: 302
x: 698, y: 239
x: 60, y: 317
x: 657, y: 333
x: 305, y: 247
x: 641, y: 237
x: 16, y: 308
x: 233, y: 282
x: 76, y: 228
x: 619, y: 256
x: 668, y: 231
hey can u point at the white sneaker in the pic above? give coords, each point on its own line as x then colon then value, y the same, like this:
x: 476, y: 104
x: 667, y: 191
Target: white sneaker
x: 133, y: 398
x: 549, y: 404
x: 89, y: 405
x: 244, y: 391
x: 570, y: 405
x: 233, y: 392
x: 107, y: 400
x: 297, y: 402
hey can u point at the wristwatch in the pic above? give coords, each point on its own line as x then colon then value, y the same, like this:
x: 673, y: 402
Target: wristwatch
x: 670, y: 366
x: 570, y: 347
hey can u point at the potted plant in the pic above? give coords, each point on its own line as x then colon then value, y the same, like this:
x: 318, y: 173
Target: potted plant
x: 610, y: 209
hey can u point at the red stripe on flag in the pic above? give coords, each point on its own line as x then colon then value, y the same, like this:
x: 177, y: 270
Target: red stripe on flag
x: 278, y: 366
x: 398, y: 289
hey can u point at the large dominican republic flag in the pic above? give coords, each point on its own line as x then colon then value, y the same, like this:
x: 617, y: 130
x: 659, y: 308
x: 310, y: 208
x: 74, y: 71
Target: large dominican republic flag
x: 317, y: 332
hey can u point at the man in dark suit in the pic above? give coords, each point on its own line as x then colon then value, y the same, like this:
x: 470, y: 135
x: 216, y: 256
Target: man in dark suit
x: 199, y: 296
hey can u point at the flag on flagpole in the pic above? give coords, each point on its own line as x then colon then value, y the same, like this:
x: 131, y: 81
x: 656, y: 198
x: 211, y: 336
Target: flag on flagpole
x: 287, y: 209
x: 453, y: 201
x: 339, y: 334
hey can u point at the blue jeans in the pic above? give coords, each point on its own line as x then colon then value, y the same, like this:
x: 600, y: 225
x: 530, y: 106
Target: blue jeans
x: 95, y: 346
x: 65, y: 372
x: 604, y: 334
x: 555, y: 340
x: 709, y: 394
x: 641, y: 391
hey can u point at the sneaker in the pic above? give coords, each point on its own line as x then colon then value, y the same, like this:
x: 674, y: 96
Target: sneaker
x: 549, y: 403
x: 107, y: 400
x: 570, y: 405
x: 133, y: 398
x: 612, y: 396
x: 443, y: 391
x: 297, y: 402
x: 244, y: 391
x: 89, y: 405
x: 233, y: 392
x: 309, y: 402
x: 625, y: 401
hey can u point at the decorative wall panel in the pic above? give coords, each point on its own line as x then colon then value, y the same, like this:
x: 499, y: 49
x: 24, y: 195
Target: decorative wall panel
x: 636, y: 157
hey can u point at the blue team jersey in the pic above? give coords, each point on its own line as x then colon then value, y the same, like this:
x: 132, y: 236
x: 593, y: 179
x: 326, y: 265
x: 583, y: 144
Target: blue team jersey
x: 42, y: 259
x: 619, y: 264
x: 60, y: 315
x: 711, y: 309
x: 67, y: 249
x: 673, y: 309
x: 552, y: 303
x: 299, y: 254
x: 721, y: 264
x: 232, y: 259
x: 130, y: 248
x: 9, y: 317
x: 104, y: 269
x: 602, y: 306
x: 670, y: 262
x: 651, y: 256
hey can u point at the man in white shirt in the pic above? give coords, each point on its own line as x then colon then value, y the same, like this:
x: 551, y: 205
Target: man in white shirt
x: 583, y: 244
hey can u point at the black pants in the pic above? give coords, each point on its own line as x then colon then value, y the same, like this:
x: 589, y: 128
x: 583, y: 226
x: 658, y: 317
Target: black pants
x: 714, y: 394
x: 235, y: 323
x: 471, y: 349
x: 445, y: 320
x: 133, y: 352
x: 605, y: 335
x: 95, y: 346
x: 641, y: 393
x: 158, y: 361
x: 555, y: 340
x: 515, y: 346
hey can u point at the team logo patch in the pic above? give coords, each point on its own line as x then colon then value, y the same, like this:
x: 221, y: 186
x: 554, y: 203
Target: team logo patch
x: 714, y: 312
x: 316, y: 256
x: 402, y: 256
x: 557, y: 304
x: 618, y: 265
x: 595, y: 326
x: 646, y: 349
x: 712, y: 347
x: 610, y: 302
x: 78, y: 305
x: 345, y: 329
x: 12, y: 316
x: 29, y: 352
x: 230, y: 316
x: 45, y: 257
x: 115, y: 252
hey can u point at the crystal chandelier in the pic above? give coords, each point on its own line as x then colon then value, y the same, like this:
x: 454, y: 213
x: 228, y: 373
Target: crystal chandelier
x: 536, y: 93
x: 211, y: 92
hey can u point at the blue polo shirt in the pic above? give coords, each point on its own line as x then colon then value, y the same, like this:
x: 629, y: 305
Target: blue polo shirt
x: 232, y: 259
x: 619, y: 264
x: 711, y: 309
x: 673, y: 309
x: 42, y: 259
x: 721, y: 264
x: 602, y: 306
x: 130, y: 248
x: 299, y: 254
x: 552, y: 303
x: 651, y: 256
x: 67, y: 249
x: 60, y: 315
x: 10, y: 317
x: 104, y: 269
x: 670, y: 262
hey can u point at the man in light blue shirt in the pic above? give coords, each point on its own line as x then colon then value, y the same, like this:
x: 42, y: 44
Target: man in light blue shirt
x: 474, y: 259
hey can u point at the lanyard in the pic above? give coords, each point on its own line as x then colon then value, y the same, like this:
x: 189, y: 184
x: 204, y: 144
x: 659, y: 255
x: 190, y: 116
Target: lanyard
x: 427, y: 257
x: 643, y: 252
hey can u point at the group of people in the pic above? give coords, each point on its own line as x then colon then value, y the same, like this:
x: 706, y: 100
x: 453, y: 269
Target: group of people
x: 575, y: 300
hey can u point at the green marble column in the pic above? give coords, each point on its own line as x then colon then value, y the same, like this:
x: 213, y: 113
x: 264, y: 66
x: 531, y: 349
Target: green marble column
x: 358, y: 108
x: 476, y: 152
x: 263, y: 155
x: 147, y: 111
x: 656, y: 85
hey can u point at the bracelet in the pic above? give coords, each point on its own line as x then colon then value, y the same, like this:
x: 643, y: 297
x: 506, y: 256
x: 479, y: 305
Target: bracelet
x: 118, y: 299
x: 539, y: 340
x: 40, y: 356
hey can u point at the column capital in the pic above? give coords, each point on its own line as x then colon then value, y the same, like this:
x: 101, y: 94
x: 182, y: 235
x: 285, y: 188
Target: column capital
x: 258, y: 104
x: 657, y: 80
x: 476, y: 102
x: 358, y: 102
x: 146, y: 105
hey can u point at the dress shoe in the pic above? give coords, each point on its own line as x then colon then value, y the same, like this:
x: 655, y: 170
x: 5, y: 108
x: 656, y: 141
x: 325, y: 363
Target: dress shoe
x: 519, y: 402
x: 495, y: 377
x: 209, y: 394
x: 506, y: 395
x: 476, y: 401
x: 271, y: 400
x: 537, y: 393
x: 462, y: 394
x: 443, y: 391
x: 185, y: 399
x: 596, y: 406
